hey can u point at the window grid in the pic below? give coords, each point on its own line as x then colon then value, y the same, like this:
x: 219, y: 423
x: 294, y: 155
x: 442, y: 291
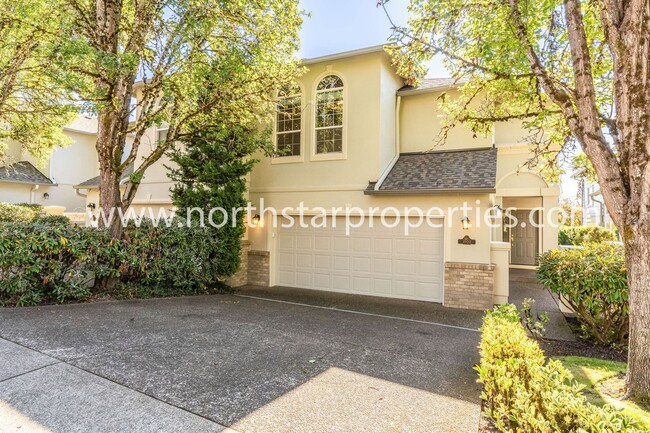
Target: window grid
x: 288, y: 123
x: 329, y: 115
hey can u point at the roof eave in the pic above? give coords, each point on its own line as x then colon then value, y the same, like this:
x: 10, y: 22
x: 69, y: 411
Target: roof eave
x: 430, y: 191
x: 343, y: 55
x: 417, y: 91
x: 26, y: 182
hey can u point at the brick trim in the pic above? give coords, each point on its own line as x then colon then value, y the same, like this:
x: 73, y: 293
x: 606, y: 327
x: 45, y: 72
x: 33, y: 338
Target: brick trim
x: 469, y: 285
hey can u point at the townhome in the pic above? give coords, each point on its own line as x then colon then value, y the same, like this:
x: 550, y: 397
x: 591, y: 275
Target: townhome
x: 351, y: 135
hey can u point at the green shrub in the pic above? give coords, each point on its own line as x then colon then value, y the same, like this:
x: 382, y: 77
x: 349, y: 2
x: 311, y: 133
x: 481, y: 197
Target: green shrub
x: 593, y: 282
x: 524, y: 393
x: 53, y: 219
x: 17, y: 212
x: 582, y: 235
x: 51, y: 263
x: 162, y: 260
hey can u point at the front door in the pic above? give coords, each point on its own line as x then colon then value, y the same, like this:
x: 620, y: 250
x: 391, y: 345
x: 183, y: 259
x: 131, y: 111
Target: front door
x: 523, y: 238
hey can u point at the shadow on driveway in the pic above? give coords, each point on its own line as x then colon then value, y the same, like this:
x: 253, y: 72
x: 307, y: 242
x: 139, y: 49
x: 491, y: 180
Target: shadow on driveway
x: 257, y: 365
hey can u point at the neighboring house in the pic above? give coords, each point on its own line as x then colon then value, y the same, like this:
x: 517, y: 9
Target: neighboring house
x: 352, y: 135
x: 594, y: 211
x: 24, y: 181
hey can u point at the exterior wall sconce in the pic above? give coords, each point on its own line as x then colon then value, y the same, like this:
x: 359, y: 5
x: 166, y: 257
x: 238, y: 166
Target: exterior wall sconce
x: 256, y: 220
x: 91, y: 206
x: 46, y: 196
x: 465, y: 222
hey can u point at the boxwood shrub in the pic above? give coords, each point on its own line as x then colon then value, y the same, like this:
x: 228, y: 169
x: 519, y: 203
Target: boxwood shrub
x: 526, y: 393
x: 593, y: 282
x: 582, y: 235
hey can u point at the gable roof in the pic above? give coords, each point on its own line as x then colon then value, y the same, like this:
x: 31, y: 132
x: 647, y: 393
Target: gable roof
x: 473, y: 170
x: 23, y: 172
x: 94, y: 181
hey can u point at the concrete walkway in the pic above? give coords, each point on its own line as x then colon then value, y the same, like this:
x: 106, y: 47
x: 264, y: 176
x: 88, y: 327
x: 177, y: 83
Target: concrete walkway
x: 255, y: 365
x: 523, y: 284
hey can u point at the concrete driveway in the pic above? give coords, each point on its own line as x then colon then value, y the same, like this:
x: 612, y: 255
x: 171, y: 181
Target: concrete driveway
x: 261, y: 361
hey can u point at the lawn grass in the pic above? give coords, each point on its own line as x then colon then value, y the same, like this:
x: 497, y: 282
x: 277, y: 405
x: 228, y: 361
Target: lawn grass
x: 604, y: 383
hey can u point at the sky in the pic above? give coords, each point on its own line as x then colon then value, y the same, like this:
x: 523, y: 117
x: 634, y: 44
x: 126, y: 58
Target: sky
x: 343, y: 25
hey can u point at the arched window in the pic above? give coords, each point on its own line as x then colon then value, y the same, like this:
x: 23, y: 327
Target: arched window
x: 288, y: 121
x: 329, y: 115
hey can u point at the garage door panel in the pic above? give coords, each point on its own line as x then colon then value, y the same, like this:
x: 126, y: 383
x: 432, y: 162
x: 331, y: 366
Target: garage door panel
x: 287, y: 241
x: 322, y: 262
x: 322, y: 243
x: 340, y: 243
x: 382, y: 285
x: 404, y: 288
x: 303, y: 279
x: 371, y: 260
x: 404, y: 267
x: 322, y: 281
x: 405, y: 246
x: 304, y: 242
x: 304, y: 261
x: 429, y: 269
x: 382, y: 265
x: 361, y: 245
x: 430, y: 247
x: 424, y: 290
x: 286, y: 259
x: 361, y: 264
x: 382, y: 245
x: 341, y: 282
x: 340, y: 263
x: 361, y: 284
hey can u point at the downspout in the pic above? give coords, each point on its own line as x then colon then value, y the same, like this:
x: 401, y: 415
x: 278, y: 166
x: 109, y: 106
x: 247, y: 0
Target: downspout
x: 601, y: 213
x: 31, y: 193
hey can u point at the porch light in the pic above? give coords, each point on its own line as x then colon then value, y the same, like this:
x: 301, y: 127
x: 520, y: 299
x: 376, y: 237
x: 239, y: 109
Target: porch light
x: 256, y: 220
x: 465, y: 222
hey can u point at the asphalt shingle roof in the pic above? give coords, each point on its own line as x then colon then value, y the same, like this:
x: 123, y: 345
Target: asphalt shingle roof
x: 94, y: 181
x: 23, y: 172
x: 442, y: 171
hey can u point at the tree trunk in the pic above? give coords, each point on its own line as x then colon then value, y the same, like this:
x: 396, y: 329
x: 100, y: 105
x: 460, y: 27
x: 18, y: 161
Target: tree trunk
x: 110, y: 198
x: 637, y: 251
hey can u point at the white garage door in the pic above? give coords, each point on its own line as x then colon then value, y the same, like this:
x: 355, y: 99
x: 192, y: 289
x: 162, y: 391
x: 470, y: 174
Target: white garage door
x: 378, y: 260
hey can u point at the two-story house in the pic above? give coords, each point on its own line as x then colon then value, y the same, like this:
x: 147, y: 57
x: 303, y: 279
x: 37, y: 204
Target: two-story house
x: 353, y: 136
x: 24, y: 180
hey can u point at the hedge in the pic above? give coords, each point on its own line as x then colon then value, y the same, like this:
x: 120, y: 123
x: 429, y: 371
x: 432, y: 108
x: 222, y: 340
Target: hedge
x: 593, y: 282
x: 19, y: 212
x: 583, y: 235
x: 51, y: 261
x: 525, y: 393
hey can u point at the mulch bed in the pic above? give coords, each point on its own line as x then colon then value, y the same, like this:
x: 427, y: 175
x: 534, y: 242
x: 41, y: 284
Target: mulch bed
x: 584, y: 348
x: 581, y: 348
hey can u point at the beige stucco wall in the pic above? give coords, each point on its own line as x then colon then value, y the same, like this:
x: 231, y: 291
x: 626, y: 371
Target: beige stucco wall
x: 363, y: 136
x: 421, y: 122
x: 15, y: 192
x: 69, y: 166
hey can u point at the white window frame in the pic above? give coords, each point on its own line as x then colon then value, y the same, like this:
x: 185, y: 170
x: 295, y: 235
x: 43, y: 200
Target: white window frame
x: 291, y: 158
x: 331, y: 156
x: 154, y: 145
